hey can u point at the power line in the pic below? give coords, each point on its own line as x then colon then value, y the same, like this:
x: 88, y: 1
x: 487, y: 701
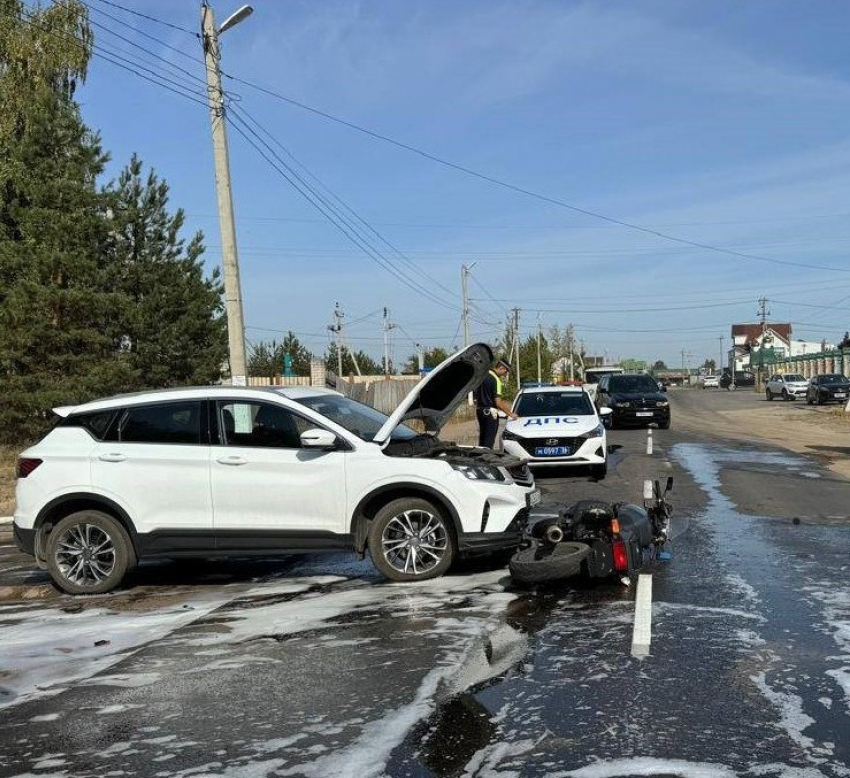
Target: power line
x: 321, y: 204
x: 149, y: 18
x: 428, y: 278
x: 527, y: 192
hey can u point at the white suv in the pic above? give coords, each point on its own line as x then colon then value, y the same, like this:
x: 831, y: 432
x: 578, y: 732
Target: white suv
x: 224, y: 471
x: 789, y: 386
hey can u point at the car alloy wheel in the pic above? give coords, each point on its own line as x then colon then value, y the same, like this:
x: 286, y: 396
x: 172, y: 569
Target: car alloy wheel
x: 88, y: 553
x: 410, y: 540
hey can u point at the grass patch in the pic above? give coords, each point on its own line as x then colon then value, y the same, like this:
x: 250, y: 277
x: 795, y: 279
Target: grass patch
x: 8, y: 461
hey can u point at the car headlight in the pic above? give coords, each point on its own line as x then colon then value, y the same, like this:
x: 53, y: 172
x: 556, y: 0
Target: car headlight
x: 598, y: 432
x: 479, y: 472
x: 509, y: 435
x: 662, y: 404
x: 623, y: 404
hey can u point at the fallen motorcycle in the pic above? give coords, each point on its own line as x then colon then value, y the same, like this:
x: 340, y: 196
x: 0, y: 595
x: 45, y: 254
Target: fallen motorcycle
x: 595, y: 539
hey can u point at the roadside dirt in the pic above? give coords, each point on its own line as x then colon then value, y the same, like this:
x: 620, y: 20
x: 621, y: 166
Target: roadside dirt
x: 821, y: 432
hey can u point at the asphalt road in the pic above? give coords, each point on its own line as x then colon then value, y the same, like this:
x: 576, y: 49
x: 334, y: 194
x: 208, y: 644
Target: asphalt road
x: 314, y: 666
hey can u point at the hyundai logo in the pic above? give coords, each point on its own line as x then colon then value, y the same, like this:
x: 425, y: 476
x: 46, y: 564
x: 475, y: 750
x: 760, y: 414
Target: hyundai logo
x: 551, y: 441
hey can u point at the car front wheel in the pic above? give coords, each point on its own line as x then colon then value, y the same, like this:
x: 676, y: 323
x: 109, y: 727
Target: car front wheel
x: 89, y: 552
x: 769, y: 395
x: 411, y: 540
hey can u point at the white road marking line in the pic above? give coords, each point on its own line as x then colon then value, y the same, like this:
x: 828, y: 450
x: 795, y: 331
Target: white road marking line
x: 649, y: 441
x: 642, y: 634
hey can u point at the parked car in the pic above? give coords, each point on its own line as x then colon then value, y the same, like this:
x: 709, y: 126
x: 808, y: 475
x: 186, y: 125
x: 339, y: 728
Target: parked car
x: 634, y: 400
x: 829, y: 387
x: 557, y: 425
x: 711, y: 382
x: 229, y: 471
x: 788, y: 386
x: 742, y: 378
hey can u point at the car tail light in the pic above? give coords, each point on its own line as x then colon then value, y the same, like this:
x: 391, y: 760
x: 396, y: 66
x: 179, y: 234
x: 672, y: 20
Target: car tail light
x: 26, y: 465
x: 621, y: 556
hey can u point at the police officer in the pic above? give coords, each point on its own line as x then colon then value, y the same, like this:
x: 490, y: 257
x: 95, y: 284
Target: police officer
x: 488, y: 402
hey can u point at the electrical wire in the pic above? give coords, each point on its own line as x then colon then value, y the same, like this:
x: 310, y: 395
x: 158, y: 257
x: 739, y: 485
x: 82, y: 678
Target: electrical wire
x: 149, y: 18
x: 428, y: 278
x: 528, y: 192
x: 326, y: 209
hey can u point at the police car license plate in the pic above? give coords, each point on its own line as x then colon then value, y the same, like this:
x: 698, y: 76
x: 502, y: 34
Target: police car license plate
x: 644, y: 413
x: 533, y: 498
x: 551, y: 451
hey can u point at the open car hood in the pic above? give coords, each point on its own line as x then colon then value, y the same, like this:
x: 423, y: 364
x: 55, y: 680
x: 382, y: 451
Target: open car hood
x: 437, y: 395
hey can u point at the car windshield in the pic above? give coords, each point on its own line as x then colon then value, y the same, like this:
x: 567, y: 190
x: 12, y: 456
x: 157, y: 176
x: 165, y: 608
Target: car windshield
x: 359, y: 419
x: 632, y: 383
x: 794, y: 377
x: 554, y: 403
x: 833, y: 379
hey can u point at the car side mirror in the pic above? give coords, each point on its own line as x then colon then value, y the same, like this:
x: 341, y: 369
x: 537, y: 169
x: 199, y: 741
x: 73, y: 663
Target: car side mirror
x: 318, y: 438
x: 606, y: 411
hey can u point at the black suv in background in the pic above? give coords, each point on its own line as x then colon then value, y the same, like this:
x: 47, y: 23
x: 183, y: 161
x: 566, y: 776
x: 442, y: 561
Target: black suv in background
x: 742, y: 378
x: 634, y: 399
x: 830, y: 387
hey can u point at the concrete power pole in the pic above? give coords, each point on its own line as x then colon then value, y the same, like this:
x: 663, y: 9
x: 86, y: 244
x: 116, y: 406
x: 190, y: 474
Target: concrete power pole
x: 336, y: 329
x: 229, y: 256
x: 387, y: 328
x: 539, y: 374
x: 516, y: 343
x: 763, y: 314
x: 464, y: 275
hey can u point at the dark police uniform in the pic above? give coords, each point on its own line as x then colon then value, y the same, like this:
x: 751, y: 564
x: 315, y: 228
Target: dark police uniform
x: 485, y: 409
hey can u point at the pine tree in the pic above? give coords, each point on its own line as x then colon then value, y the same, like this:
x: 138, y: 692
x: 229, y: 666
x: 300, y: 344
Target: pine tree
x: 55, y: 346
x: 266, y: 358
x: 171, y: 326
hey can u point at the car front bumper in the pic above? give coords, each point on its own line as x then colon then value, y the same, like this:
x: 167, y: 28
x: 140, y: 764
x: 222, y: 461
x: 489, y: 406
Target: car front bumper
x: 475, y: 543
x: 633, y: 417
x: 590, y: 452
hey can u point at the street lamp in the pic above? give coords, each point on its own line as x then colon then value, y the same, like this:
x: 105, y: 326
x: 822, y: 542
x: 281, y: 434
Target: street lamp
x: 229, y: 255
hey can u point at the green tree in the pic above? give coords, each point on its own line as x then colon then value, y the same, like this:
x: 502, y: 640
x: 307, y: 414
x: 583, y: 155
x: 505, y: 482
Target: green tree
x: 56, y: 343
x: 171, y: 325
x: 367, y: 365
x: 430, y: 358
x: 266, y: 357
x: 659, y: 365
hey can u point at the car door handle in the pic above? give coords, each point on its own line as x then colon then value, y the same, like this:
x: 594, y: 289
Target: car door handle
x: 113, y: 457
x: 232, y: 460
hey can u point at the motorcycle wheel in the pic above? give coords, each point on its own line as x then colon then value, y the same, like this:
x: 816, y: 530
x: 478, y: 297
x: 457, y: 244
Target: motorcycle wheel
x: 539, y: 564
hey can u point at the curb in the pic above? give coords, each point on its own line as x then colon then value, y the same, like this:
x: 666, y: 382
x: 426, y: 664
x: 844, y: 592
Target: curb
x: 6, y: 519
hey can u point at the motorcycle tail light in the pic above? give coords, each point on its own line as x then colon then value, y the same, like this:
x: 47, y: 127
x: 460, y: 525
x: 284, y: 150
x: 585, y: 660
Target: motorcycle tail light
x: 621, y: 556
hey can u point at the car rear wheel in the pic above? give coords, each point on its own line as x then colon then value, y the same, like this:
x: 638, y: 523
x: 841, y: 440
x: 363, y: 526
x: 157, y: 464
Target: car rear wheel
x: 785, y: 395
x: 89, y: 552
x: 411, y: 540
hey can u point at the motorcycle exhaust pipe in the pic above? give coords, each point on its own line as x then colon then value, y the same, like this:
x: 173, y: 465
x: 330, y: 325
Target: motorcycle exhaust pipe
x: 554, y: 534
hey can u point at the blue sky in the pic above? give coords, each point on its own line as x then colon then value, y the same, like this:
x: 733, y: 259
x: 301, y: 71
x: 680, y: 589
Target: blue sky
x: 721, y: 123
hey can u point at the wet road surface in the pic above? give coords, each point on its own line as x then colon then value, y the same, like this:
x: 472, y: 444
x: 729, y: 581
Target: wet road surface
x: 316, y: 667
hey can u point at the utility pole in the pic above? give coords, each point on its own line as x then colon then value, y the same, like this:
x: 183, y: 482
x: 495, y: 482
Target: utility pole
x: 336, y: 328
x: 464, y: 275
x: 229, y: 256
x: 387, y: 328
x: 721, y: 365
x: 763, y: 313
x: 571, y: 349
x: 516, y: 343
x: 420, y: 357
x: 539, y: 374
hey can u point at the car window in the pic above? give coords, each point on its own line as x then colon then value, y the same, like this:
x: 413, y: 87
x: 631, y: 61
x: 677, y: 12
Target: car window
x: 95, y: 423
x: 554, y: 403
x: 632, y: 383
x: 359, y: 419
x: 833, y: 379
x: 260, y: 425
x: 794, y: 377
x: 178, y: 422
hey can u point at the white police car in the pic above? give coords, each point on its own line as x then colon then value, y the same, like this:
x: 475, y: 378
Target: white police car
x: 558, y: 426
